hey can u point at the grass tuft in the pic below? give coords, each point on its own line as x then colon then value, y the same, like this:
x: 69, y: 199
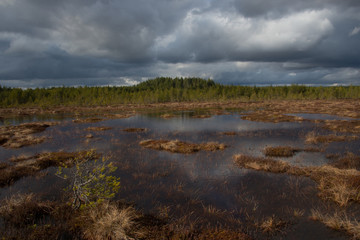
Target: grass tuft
x: 21, y: 135
x: 23, y: 209
x: 31, y: 165
x: 176, y: 146
x: 135, y: 130
x: 339, y: 185
x: 108, y: 221
x: 280, y: 151
x: 312, y: 138
x: 271, y: 225
x: 338, y: 221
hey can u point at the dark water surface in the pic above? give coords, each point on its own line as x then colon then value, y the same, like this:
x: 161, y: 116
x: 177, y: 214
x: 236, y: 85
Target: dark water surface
x: 200, y: 185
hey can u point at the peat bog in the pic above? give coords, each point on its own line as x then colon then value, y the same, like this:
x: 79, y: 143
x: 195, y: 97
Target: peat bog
x: 274, y: 170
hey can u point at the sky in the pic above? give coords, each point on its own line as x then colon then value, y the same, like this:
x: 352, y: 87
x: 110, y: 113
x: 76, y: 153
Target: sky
x: 46, y: 43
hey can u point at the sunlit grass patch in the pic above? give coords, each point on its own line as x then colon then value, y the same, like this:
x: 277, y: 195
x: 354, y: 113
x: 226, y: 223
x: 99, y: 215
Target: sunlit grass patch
x: 351, y: 126
x: 102, y: 128
x: 109, y: 221
x: 266, y: 164
x: 176, y: 146
x: 271, y: 225
x: 272, y: 115
x: 313, y: 138
x: 88, y: 120
x: 21, y: 135
x: 281, y: 151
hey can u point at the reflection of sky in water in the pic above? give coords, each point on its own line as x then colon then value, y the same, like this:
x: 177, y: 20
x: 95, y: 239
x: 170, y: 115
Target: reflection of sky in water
x: 212, y: 175
x: 34, y: 118
x: 186, y: 124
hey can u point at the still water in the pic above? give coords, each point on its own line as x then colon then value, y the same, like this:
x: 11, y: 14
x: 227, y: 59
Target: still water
x: 178, y: 185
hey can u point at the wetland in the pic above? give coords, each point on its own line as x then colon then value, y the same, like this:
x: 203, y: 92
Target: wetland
x: 200, y: 170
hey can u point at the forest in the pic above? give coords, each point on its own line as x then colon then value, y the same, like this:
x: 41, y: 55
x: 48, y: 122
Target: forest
x: 165, y: 89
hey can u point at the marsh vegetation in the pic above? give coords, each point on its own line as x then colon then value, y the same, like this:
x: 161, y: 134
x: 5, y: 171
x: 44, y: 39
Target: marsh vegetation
x: 199, y: 170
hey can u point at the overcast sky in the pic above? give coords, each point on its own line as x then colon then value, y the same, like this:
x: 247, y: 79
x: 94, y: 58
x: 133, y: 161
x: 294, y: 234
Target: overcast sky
x: 121, y: 42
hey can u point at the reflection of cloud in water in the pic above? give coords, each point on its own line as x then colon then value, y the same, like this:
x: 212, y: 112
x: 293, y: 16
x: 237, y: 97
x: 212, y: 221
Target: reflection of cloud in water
x: 214, y: 123
x: 201, y: 165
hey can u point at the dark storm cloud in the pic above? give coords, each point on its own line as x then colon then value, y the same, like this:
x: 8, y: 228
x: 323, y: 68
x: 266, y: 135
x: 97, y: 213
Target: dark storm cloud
x: 276, y: 8
x: 100, y: 42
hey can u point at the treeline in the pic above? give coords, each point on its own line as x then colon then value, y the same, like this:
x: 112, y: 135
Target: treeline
x: 161, y: 90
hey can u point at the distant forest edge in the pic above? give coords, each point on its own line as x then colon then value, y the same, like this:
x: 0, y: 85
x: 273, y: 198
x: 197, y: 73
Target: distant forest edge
x: 160, y: 90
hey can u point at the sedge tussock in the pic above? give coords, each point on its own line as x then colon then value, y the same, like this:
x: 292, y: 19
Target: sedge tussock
x: 339, y: 185
x: 337, y: 221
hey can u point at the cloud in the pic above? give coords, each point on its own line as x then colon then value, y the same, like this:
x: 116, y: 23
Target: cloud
x: 103, y: 42
x: 214, y: 36
x: 355, y: 31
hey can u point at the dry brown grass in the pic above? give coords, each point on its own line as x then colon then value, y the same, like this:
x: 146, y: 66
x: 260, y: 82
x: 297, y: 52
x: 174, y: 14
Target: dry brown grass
x: 135, y: 130
x: 339, y: 185
x: 167, y: 115
x: 98, y: 128
x: 119, y: 115
x: 281, y: 151
x: 31, y: 165
x: 3, y: 165
x: 22, y: 209
x: 109, y: 221
x: 220, y: 234
x: 338, y: 221
x: 312, y: 138
x: 349, y: 161
x: 346, y: 108
x: 352, y: 126
x: 271, y: 225
x: 21, y: 135
x: 272, y: 115
x: 88, y: 120
x: 229, y: 133
x: 298, y: 212
x: 201, y: 116
x: 176, y: 146
x: 89, y: 136
x: 267, y: 164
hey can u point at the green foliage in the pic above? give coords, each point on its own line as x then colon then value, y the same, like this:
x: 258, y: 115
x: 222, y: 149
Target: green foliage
x: 91, y: 182
x: 164, y: 89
